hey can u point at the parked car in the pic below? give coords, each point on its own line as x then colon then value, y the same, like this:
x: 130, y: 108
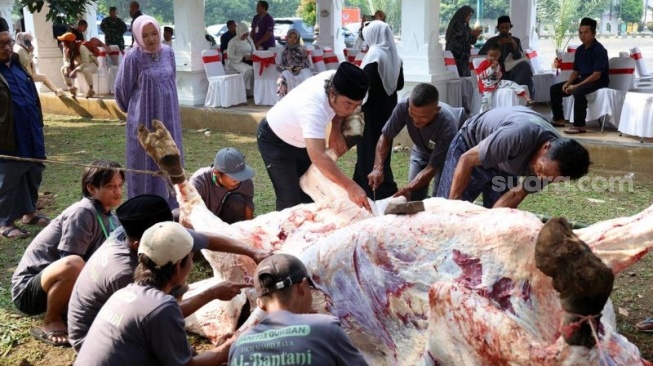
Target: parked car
x: 350, y: 38
x: 283, y: 25
x: 216, y: 30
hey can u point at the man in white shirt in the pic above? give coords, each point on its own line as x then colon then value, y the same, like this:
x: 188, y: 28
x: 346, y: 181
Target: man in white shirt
x: 292, y: 136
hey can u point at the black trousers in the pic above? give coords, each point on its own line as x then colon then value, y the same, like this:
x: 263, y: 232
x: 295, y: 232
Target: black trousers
x: 580, y: 101
x: 285, y: 165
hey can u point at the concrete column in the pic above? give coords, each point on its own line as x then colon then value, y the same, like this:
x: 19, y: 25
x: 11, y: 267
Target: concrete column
x: 48, y: 57
x: 6, y: 6
x: 420, y: 48
x: 189, y: 43
x: 91, y: 19
x: 522, y: 15
x: 330, y: 21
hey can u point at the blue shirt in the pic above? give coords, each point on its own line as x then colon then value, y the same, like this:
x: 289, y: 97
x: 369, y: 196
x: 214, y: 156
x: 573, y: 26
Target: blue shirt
x: 592, y: 59
x: 224, y: 42
x: 28, y: 126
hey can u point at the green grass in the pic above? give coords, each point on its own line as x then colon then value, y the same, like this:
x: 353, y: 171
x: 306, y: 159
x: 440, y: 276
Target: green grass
x: 82, y: 140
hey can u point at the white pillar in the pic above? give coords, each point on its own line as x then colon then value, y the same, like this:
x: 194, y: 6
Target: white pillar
x: 188, y: 44
x: 522, y: 15
x: 330, y: 20
x: 48, y: 55
x: 6, y: 6
x: 420, y: 48
x: 91, y: 19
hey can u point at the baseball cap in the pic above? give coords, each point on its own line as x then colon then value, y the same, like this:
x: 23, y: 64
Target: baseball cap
x: 166, y: 242
x: 285, y: 270
x: 68, y: 36
x: 139, y: 213
x: 232, y: 163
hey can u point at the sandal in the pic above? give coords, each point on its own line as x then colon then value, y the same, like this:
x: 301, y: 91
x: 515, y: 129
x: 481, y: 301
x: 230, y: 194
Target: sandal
x: 530, y: 103
x: 38, y: 220
x: 21, y: 233
x: 645, y: 326
x: 575, y: 131
x: 46, y: 337
x: 558, y: 123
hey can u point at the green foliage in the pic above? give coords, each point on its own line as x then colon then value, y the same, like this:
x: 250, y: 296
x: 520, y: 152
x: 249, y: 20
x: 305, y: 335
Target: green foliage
x: 632, y: 11
x: 71, y: 10
x: 306, y: 10
x: 564, y: 16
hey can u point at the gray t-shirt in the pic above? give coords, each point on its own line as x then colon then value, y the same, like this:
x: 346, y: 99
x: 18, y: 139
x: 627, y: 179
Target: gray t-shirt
x: 508, y: 138
x: 284, y: 338
x: 432, y: 140
x: 107, y: 271
x: 77, y: 230
x: 214, y: 194
x: 139, y: 325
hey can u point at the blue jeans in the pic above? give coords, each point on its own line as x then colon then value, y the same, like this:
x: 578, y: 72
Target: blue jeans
x: 481, y: 180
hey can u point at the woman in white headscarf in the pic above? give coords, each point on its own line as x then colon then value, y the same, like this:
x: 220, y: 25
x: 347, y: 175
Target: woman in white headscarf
x: 294, y: 67
x: 25, y: 51
x: 384, y: 70
x: 239, y: 55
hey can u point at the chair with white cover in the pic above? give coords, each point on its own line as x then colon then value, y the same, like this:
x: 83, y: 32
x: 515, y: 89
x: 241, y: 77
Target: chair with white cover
x: 609, y: 101
x: 331, y: 61
x: 317, y: 59
x: 566, y: 67
x: 358, y: 60
x: 637, y: 114
x: 572, y: 48
x: 502, y: 97
x: 643, y: 77
x: 542, y: 79
x: 265, y: 78
x: 115, y: 55
x: 350, y: 54
x: 458, y: 88
x: 224, y: 90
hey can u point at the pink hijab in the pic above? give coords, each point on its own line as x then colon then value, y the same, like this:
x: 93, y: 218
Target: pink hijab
x: 137, y: 31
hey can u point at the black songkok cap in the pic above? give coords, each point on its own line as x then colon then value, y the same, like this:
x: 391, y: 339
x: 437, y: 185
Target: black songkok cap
x: 141, y: 212
x: 351, y: 81
x: 504, y: 19
x: 4, y: 27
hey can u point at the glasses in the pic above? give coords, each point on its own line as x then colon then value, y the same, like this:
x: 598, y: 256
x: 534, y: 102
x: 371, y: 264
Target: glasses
x: 9, y: 43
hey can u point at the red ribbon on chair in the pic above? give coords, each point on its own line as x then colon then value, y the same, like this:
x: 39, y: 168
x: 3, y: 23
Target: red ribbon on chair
x: 621, y: 71
x: 531, y: 55
x: 448, y: 61
x: 102, y: 54
x: 265, y: 62
x: 566, y: 66
x: 636, y: 56
x: 317, y: 59
x: 210, y: 59
x: 351, y: 58
x: 358, y: 62
x: 331, y: 59
x: 346, y: 51
x: 114, y: 53
x: 571, y: 49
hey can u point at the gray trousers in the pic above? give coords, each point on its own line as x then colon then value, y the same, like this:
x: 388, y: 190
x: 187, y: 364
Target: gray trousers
x: 419, y: 161
x: 19, y: 189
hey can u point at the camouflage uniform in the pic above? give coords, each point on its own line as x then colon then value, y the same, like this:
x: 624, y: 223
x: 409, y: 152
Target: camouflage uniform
x: 113, y: 29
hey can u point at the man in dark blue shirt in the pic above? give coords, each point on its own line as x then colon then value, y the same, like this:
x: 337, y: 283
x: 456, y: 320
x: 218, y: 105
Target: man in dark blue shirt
x: 591, y: 72
x: 227, y: 36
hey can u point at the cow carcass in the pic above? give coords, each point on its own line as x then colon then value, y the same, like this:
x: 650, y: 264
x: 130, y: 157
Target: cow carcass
x: 456, y: 284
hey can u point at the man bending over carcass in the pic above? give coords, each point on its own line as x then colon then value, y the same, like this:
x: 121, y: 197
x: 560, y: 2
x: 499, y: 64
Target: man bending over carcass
x: 288, y: 333
x: 492, y: 149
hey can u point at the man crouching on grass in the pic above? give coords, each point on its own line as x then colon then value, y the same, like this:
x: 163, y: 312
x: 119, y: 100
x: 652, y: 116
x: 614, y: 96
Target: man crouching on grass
x: 142, y: 323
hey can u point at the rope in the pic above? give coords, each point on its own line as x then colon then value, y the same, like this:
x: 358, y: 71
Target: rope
x: 43, y: 161
x: 570, y: 328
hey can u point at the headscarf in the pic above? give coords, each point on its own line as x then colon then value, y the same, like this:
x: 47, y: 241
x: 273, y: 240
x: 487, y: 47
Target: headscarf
x: 459, y: 16
x: 21, y: 37
x: 137, y: 31
x: 241, y: 29
x: 383, y: 51
x: 299, y: 38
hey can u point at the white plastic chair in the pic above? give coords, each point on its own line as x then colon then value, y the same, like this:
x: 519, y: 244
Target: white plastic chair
x: 350, y: 54
x: 501, y: 98
x: 116, y: 58
x: 317, y: 59
x: 542, y: 79
x: 224, y: 90
x: 643, y: 78
x: 457, y: 88
x: 331, y: 61
x: 265, y: 78
x: 609, y: 101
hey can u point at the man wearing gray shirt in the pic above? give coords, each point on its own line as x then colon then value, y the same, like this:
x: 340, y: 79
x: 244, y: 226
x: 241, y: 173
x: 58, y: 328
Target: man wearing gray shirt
x: 431, y: 126
x: 493, y: 149
x: 289, y: 334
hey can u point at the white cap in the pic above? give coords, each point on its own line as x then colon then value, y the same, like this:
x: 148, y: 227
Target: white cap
x: 166, y: 242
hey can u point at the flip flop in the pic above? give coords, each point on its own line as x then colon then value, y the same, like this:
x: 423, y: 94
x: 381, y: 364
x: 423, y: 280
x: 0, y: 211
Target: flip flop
x: 46, y: 337
x: 575, y: 131
x: 38, y: 220
x: 645, y: 326
x: 21, y: 233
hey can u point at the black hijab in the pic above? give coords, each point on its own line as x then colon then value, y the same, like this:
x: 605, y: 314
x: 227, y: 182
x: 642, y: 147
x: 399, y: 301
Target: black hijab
x: 459, y: 16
